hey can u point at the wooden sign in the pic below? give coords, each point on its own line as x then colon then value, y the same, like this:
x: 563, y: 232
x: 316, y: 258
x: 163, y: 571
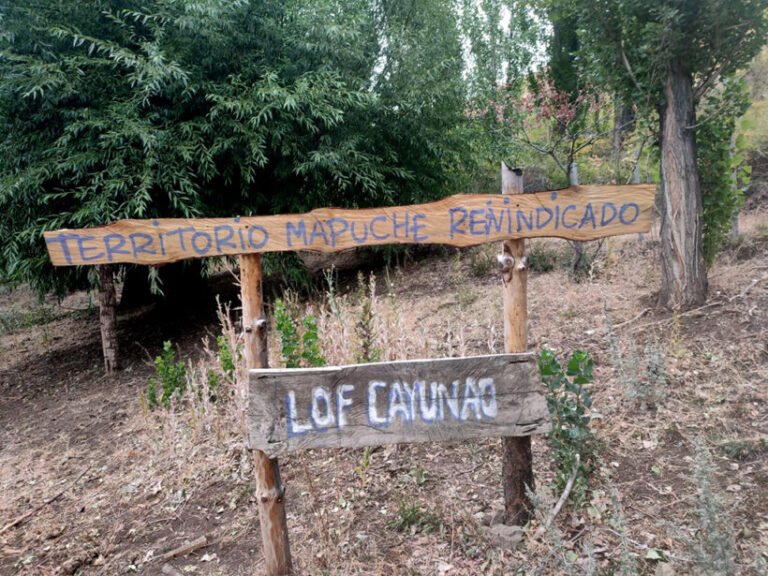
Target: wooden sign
x: 576, y: 213
x: 385, y: 403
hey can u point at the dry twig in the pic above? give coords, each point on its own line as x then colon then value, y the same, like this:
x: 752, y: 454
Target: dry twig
x: 196, y: 544
x: 563, y: 497
x: 625, y: 323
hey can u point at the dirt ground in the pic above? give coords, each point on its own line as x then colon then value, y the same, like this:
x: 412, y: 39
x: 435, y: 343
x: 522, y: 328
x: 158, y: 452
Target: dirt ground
x: 108, y: 486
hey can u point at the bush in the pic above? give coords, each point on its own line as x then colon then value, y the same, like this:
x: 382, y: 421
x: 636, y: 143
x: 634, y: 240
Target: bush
x: 300, y: 345
x: 541, y: 258
x: 569, y: 405
x: 171, y: 377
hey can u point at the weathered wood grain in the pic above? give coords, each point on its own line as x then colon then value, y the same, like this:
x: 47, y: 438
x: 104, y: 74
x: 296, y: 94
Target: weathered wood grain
x: 516, y: 453
x: 269, y: 486
x: 482, y: 396
x: 576, y: 213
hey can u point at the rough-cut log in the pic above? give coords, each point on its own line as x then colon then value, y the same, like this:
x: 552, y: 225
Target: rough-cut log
x: 517, y: 458
x: 576, y: 213
x: 438, y: 400
x: 108, y: 318
x: 270, y: 490
x: 684, y: 274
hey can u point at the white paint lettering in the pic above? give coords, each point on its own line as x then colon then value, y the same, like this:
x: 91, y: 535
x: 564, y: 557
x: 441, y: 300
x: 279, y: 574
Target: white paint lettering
x: 295, y: 428
x: 448, y: 399
x: 397, y: 404
x: 410, y: 393
x: 427, y: 402
x: 323, y: 418
x: 343, y: 402
x: 488, y: 405
x: 373, y: 415
x: 471, y: 400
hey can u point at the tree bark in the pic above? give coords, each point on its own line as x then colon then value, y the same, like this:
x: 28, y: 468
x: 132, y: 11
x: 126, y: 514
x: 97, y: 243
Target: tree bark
x: 684, y: 275
x: 108, y: 318
x: 623, y: 124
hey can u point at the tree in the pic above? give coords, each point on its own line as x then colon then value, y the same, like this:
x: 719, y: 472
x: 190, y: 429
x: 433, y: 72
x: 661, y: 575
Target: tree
x: 665, y: 56
x: 186, y: 108
x: 552, y: 122
x: 722, y: 168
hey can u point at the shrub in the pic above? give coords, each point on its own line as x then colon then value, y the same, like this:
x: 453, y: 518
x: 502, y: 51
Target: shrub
x: 541, y: 258
x: 569, y: 405
x: 714, y: 548
x: 171, y: 377
x: 300, y: 345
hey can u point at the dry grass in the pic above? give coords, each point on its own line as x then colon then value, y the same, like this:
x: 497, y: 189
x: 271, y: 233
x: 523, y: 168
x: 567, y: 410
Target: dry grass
x: 156, y: 478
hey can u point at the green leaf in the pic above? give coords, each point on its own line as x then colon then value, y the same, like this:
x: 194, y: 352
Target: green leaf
x: 656, y: 554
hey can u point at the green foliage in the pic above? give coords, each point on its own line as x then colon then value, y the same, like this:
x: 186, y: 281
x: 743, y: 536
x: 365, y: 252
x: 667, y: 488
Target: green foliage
x: 743, y: 449
x: 569, y: 405
x: 645, y: 51
x: 300, y: 345
x: 227, y: 360
x: 411, y: 519
x: 109, y: 110
x: 171, y: 378
x: 12, y: 320
x: 630, y: 43
x: 542, y: 258
x: 723, y: 172
x: 289, y: 339
x: 227, y: 357
x: 310, y: 343
x: 753, y: 127
x: 417, y: 475
x: 481, y: 261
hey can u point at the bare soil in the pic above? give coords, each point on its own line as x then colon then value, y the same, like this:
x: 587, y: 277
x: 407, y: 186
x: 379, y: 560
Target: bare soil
x: 112, y: 486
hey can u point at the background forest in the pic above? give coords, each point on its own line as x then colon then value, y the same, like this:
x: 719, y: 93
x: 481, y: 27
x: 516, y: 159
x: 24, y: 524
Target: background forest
x: 221, y: 107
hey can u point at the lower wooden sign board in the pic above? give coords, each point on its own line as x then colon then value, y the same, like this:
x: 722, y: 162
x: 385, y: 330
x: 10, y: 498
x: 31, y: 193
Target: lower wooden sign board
x: 389, y: 402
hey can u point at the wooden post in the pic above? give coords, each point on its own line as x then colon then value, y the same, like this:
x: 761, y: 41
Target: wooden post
x: 270, y: 491
x: 108, y: 318
x: 517, y: 459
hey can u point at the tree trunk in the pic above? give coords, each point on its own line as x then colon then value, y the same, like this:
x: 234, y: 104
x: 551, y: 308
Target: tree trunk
x: 108, y: 318
x: 623, y: 124
x: 684, y: 275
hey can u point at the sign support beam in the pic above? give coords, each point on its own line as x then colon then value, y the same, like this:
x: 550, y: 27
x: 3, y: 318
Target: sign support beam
x: 517, y: 459
x: 270, y: 491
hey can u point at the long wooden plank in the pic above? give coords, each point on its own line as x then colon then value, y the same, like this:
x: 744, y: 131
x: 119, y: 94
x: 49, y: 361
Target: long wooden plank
x: 386, y: 403
x: 576, y: 213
